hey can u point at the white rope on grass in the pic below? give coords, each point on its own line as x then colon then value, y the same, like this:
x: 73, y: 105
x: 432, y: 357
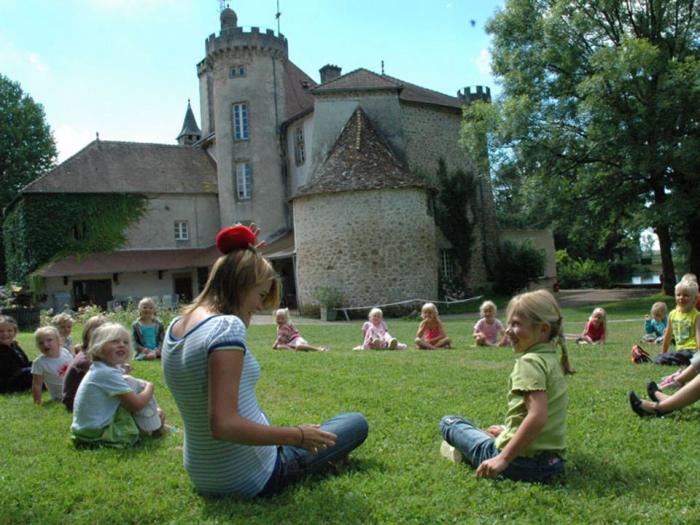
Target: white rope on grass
x: 345, y: 310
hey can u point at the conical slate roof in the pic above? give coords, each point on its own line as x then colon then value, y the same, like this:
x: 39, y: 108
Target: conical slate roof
x: 189, y: 126
x: 360, y: 160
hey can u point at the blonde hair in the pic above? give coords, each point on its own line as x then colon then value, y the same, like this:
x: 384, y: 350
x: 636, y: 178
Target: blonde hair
x: 231, y: 277
x: 375, y: 311
x: 90, y: 326
x: 488, y: 305
x: 62, y: 318
x: 6, y: 319
x: 659, y: 308
x: 603, y: 314
x: 540, y: 307
x: 107, y: 333
x: 281, y: 311
x: 147, y: 300
x: 44, y: 331
x: 690, y: 277
x: 430, y: 307
x: 688, y: 286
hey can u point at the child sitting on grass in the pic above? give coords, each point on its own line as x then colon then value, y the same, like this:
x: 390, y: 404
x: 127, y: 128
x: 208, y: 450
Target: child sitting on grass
x: 532, y: 443
x: 488, y: 328
x: 375, y: 334
x: 147, y: 332
x: 595, y: 331
x: 431, y: 332
x: 111, y: 408
x: 683, y: 326
x: 655, y: 324
x: 50, y: 367
x: 15, y: 366
x: 64, y: 324
x: 288, y: 337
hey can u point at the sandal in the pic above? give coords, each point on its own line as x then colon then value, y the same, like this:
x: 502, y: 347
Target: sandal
x: 638, y: 409
x: 652, y: 389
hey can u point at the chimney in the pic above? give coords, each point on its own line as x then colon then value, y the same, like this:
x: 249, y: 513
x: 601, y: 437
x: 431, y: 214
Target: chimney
x: 329, y: 72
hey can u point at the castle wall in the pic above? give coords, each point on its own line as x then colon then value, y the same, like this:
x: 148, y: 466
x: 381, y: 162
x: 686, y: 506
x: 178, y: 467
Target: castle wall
x: 432, y: 133
x: 261, y: 88
x: 374, y: 246
x: 156, y: 230
x: 333, y: 110
x: 299, y: 175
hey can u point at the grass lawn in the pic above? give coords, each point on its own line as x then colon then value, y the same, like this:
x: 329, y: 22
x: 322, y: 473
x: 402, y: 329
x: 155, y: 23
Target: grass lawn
x: 621, y: 469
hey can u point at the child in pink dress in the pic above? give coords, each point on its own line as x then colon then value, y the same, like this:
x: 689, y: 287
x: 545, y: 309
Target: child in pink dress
x: 431, y: 333
x: 487, y: 330
x: 288, y: 337
x: 375, y: 334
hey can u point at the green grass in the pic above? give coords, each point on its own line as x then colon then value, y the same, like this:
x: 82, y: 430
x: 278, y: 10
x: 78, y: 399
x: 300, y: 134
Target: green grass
x: 620, y: 469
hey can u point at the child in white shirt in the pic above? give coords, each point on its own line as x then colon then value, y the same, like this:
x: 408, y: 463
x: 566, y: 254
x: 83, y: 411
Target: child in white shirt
x: 50, y: 367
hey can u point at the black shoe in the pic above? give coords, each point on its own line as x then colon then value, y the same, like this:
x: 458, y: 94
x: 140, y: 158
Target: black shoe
x: 636, y: 405
x: 652, y: 389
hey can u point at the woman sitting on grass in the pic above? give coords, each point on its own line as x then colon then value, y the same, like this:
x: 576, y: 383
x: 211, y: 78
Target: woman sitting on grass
x: 231, y: 448
x: 531, y: 445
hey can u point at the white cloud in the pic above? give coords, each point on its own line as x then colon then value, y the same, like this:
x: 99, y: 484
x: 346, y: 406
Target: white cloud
x: 483, y: 62
x: 38, y: 63
x: 69, y: 141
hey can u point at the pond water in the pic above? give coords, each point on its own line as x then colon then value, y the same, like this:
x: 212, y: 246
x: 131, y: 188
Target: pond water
x: 645, y: 279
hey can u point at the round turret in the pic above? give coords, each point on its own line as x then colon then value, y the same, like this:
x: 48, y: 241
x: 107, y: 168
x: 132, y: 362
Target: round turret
x: 229, y: 20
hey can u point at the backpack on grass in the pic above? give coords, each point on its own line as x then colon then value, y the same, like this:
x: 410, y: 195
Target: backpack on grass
x: 639, y: 355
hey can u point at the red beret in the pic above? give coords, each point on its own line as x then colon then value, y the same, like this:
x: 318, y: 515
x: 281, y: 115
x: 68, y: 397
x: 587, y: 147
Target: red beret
x: 235, y: 238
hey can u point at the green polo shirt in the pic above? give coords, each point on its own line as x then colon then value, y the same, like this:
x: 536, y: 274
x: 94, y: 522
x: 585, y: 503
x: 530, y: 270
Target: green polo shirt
x: 538, y: 369
x: 683, y: 326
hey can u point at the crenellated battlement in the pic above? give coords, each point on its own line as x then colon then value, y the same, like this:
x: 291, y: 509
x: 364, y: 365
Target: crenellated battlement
x: 482, y: 93
x: 250, y: 39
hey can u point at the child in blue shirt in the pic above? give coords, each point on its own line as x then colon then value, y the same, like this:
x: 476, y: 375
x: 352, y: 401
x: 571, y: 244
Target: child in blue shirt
x: 655, y: 324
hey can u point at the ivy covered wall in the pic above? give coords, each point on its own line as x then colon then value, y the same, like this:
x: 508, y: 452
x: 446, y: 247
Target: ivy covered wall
x: 47, y: 227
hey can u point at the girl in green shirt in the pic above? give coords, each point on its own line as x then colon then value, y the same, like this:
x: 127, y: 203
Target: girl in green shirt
x: 531, y: 445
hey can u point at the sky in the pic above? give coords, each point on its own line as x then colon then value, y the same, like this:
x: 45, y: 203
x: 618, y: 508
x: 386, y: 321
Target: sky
x: 126, y: 68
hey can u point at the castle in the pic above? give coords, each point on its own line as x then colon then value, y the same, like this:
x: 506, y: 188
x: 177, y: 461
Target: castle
x: 334, y: 174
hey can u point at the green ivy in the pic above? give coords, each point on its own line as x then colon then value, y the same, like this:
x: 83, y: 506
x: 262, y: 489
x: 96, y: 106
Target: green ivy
x: 45, y: 228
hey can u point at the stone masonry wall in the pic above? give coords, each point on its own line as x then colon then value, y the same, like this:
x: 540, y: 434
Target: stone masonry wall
x: 432, y: 133
x: 375, y: 246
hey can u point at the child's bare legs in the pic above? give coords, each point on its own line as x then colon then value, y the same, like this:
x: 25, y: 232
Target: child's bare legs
x: 309, y: 348
x: 433, y: 344
x: 687, y: 395
x: 164, y: 428
x: 481, y: 340
x: 687, y: 375
x: 444, y: 342
x: 423, y: 344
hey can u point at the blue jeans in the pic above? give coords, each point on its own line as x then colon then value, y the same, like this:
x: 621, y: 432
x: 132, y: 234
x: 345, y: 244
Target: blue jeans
x: 294, y: 463
x: 477, y: 446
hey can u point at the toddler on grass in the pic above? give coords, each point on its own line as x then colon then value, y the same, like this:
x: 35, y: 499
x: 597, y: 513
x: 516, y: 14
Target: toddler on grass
x: 655, y: 324
x: 50, y: 367
x: 375, y: 334
x: 431, y: 332
x: 15, y: 366
x: 595, y: 331
x: 488, y: 328
x: 147, y: 332
x: 111, y: 409
x: 288, y: 337
x: 64, y: 324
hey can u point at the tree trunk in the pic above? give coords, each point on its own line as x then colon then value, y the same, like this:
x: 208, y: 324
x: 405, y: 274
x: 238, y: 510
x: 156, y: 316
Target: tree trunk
x: 669, y: 273
x: 693, y: 238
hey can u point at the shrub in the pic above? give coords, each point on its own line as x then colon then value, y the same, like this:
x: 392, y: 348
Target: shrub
x: 328, y: 296
x: 577, y: 273
x: 517, y: 265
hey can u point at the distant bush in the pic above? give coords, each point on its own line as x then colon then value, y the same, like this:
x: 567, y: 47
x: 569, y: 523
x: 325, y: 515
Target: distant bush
x: 518, y: 265
x: 577, y: 273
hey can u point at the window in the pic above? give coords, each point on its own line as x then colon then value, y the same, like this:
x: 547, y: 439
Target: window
x: 182, y: 232
x: 446, y: 267
x: 240, y: 121
x: 238, y: 71
x: 243, y: 180
x: 299, y: 153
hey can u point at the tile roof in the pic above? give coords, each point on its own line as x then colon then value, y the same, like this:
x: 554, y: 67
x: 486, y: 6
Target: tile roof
x: 125, y: 261
x: 359, y: 160
x: 365, y: 80
x: 297, y: 84
x: 131, y: 167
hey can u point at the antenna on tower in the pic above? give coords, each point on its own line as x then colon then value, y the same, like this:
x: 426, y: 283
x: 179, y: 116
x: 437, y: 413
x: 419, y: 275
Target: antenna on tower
x: 277, y: 16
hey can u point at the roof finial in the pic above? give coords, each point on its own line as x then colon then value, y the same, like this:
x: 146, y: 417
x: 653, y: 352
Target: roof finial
x: 277, y: 16
x: 382, y: 68
x: 97, y: 134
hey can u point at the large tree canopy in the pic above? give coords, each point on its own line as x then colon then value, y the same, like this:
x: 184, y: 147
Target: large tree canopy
x: 598, y: 125
x: 27, y: 148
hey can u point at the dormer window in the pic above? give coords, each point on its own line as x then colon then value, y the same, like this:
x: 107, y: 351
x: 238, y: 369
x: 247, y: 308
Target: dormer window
x: 238, y: 71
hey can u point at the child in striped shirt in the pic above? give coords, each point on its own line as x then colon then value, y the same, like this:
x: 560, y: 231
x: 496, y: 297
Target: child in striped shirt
x: 288, y: 337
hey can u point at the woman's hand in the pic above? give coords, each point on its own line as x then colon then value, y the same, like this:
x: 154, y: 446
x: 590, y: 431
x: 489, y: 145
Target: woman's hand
x: 256, y: 232
x: 495, y: 430
x: 314, y: 439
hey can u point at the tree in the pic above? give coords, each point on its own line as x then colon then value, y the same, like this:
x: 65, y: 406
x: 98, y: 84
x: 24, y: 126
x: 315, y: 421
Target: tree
x: 600, y: 112
x: 27, y: 147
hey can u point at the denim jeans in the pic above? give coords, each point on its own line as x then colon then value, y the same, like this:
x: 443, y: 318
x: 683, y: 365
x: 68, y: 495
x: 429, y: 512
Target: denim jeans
x: 477, y: 446
x: 294, y: 463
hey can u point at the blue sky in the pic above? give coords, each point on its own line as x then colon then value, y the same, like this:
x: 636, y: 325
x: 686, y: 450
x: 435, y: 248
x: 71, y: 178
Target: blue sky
x: 125, y: 68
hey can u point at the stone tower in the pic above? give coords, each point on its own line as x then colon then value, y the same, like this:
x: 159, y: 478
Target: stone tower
x: 243, y: 105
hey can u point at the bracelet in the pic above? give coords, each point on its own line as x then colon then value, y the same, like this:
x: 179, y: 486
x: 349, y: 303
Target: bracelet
x: 301, y: 445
